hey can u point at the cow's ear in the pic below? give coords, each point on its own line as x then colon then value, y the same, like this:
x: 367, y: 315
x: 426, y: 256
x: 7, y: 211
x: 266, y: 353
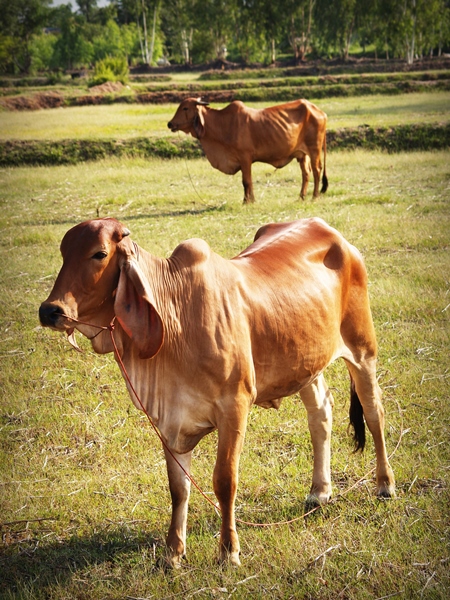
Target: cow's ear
x: 199, y: 124
x: 135, y: 310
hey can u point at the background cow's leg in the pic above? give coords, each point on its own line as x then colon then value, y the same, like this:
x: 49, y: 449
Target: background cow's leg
x: 369, y: 393
x: 179, y: 486
x: 225, y: 478
x: 318, y: 401
x: 305, y: 166
x: 246, y: 168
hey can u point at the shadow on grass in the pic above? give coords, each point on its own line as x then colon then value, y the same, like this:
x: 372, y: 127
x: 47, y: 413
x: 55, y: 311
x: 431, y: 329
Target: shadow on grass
x: 34, y: 567
x: 199, y: 208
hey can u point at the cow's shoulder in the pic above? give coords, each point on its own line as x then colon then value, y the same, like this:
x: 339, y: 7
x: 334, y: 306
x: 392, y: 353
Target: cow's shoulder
x: 237, y: 108
x: 191, y: 252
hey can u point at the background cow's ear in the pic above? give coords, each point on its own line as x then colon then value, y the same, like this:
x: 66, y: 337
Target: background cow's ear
x: 135, y: 310
x: 199, y: 124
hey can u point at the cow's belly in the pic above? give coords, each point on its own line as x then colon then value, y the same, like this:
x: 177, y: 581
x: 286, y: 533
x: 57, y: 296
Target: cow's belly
x: 289, y: 372
x: 220, y: 158
x: 271, y: 394
x: 278, y: 163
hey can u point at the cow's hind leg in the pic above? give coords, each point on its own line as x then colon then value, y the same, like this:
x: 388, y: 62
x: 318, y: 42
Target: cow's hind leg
x: 318, y: 401
x: 316, y: 166
x: 366, y: 391
x: 305, y: 166
x: 179, y: 485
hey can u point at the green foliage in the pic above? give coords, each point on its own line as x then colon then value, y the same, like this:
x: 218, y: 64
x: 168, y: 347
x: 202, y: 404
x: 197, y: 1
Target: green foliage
x: 190, y: 31
x: 404, y: 138
x: 110, y: 69
x: 13, y: 153
x: 43, y: 52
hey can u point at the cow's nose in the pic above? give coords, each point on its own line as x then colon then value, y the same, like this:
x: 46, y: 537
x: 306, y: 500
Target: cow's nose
x: 49, y: 314
x: 170, y: 125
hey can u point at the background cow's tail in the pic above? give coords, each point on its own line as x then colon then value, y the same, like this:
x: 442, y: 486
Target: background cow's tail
x: 324, y: 176
x: 357, y: 418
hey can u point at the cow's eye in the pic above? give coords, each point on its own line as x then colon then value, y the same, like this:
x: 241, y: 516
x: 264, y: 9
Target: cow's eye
x: 100, y: 255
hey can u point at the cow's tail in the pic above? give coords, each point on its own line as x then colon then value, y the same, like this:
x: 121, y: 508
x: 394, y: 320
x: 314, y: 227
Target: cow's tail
x: 357, y: 418
x: 324, y: 176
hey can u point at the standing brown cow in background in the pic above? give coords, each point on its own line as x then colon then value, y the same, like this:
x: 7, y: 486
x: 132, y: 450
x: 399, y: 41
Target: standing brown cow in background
x: 236, y: 136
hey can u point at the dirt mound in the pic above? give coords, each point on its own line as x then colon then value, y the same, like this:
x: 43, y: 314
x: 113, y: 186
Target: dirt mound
x: 34, y: 102
x: 107, y: 88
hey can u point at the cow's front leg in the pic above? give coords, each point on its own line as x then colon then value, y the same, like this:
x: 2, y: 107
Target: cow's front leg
x: 246, y: 168
x: 231, y: 439
x: 179, y: 485
x: 318, y: 401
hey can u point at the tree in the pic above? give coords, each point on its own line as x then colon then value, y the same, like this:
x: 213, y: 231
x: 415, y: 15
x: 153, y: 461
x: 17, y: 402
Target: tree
x: 247, y: 42
x: 73, y: 47
x: 335, y: 22
x: 178, y: 22
x: 410, y: 28
x: 87, y: 8
x: 271, y: 18
x: 42, y: 50
x: 299, y: 26
x: 19, y: 20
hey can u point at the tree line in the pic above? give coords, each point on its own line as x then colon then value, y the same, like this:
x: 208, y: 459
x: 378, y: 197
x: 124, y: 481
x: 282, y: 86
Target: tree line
x: 34, y: 36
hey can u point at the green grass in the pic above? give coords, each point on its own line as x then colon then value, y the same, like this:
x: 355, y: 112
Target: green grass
x: 125, y: 121
x: 84, y: 502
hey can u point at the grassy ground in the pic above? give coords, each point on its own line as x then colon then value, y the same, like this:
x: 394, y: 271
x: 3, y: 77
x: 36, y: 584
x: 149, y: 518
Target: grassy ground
x: 84, y: 500
x: 125, y: 121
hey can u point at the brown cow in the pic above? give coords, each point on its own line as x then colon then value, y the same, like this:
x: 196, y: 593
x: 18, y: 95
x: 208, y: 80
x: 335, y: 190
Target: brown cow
x: 204, y: 338
x: 237, y: 136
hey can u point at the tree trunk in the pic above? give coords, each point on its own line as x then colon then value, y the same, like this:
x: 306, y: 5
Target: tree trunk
x: 144, y: 20
x: 411, y: 40
x: 152, y: 42
x: 185, y: 40
x: 273, y: 52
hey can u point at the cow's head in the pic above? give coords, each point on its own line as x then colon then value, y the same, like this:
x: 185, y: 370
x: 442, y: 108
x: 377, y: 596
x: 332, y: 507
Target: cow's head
x: 101, y: 278
x: 189, y: 117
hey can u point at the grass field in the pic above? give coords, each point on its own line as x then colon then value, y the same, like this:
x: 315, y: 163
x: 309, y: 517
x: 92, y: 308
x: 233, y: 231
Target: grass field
x: 125, y: 121
x: 84, y: 502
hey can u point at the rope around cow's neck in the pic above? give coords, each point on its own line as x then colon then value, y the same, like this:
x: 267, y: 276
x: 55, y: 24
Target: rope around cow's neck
x: 111, y: 328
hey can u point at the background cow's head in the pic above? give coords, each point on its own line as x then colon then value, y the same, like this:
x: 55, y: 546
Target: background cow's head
x: 101, y: 278
x: 189, y: 117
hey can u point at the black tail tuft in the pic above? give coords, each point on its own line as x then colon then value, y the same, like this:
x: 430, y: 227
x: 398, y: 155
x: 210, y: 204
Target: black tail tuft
x: 357, y: 419
x: 324, y: 184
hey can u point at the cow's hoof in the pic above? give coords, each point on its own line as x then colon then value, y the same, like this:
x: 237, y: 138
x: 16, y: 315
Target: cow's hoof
x: 385, y: 492
x: 316, y: 500
x: 174, y: 562
x: 230, y: 558
x: 386, y: 485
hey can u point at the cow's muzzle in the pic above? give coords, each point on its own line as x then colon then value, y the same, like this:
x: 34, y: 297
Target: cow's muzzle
x: 172, y: 126
x: 51, y: 315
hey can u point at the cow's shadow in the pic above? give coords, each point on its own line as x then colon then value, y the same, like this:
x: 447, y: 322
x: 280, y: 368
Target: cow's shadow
x: 198, y: 208
x: 34, y: 567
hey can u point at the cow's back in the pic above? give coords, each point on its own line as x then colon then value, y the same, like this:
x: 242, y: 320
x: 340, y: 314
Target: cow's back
x: 281, y: 133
